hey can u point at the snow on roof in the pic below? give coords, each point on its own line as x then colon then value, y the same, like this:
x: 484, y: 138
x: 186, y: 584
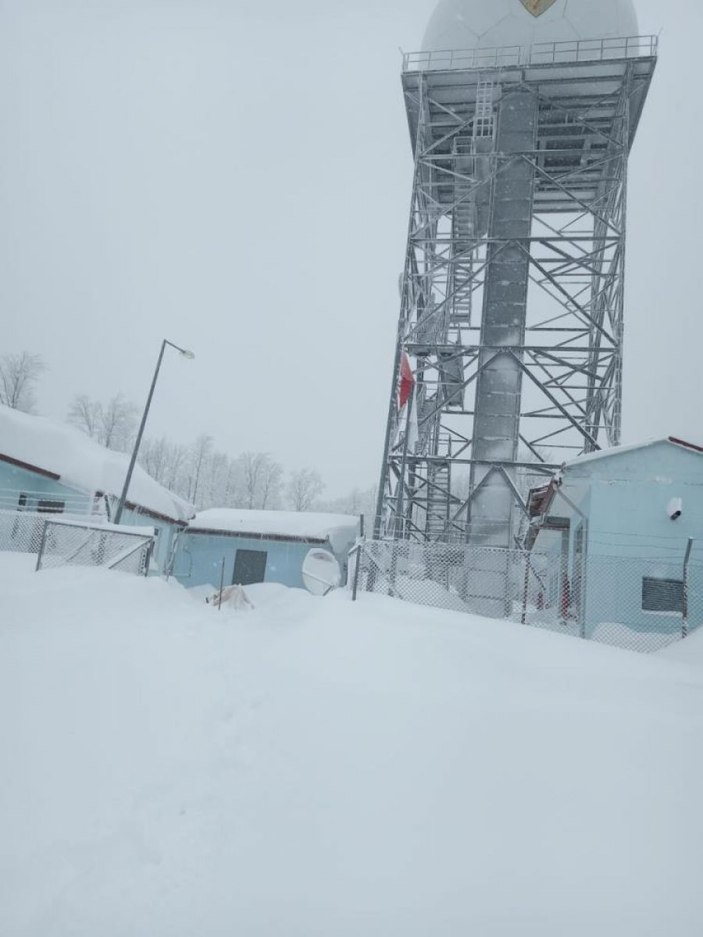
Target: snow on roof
x: 621, y: 450
x: 339, y: 529
x: 81, y: 463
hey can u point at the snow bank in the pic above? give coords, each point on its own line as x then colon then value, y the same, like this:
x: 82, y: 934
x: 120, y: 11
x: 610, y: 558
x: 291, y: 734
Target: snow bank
x: 689, y: 651
x: 81, y: 463
x: 317, y: 767
x: 339, y: 529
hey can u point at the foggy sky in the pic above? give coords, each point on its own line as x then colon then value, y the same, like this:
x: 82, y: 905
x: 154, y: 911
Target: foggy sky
x: 235, y: 176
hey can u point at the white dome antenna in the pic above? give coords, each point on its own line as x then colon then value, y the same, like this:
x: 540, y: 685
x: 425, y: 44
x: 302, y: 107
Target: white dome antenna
x: 492, y: 24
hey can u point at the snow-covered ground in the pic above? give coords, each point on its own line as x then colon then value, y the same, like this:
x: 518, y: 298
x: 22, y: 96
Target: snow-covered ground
x: 315, y: 767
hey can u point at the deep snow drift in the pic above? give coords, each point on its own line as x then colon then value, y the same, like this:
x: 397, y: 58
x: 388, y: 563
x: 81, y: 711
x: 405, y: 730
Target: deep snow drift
x: 315, y: 767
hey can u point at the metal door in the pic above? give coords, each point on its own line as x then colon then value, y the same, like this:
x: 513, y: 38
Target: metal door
x: 249, y: 566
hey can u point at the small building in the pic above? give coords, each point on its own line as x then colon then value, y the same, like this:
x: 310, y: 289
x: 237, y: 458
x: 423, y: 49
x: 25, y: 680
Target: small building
x: 258, y: 546
x: 48, y: 467
x: 616, y: 528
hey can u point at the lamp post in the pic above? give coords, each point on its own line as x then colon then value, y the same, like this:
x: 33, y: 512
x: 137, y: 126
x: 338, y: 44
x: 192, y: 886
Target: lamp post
x: 145, y: 414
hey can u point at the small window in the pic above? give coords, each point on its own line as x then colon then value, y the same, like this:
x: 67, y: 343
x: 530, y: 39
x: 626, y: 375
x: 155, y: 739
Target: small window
x: 51, y: 507
x: 662, y: 595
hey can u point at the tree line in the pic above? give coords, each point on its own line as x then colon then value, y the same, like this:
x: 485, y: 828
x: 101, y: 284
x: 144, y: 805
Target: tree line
x: 196, y: 471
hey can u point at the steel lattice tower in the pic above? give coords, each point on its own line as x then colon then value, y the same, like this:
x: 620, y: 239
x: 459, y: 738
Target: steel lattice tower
x: 512, y: 292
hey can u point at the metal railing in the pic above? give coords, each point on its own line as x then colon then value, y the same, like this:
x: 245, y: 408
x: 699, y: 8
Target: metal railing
x: 638, y: 603
x: 540, y: 53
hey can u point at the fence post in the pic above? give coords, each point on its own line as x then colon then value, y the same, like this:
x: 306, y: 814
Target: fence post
x: 684, y: 603
x: 357, y: 550
x: 222, y: 585
x: 526, y: 588
x: 41, y: 548
x: 147, y: 558
x: 564, y: 584
x: 357, y: 568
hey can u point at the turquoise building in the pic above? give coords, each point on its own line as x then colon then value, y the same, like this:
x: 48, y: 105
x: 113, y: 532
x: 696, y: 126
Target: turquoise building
x: 622, y: 534
x: 240, y: 547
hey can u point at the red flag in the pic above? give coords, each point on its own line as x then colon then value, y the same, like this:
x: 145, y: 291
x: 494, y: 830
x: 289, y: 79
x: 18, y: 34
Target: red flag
x: 407, y: 379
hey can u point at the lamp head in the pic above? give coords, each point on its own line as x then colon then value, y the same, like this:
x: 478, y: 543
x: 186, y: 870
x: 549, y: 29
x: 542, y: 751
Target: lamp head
x: 187, y: 354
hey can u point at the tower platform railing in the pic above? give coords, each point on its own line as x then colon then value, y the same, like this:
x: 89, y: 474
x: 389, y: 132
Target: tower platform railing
x: 540, y: 53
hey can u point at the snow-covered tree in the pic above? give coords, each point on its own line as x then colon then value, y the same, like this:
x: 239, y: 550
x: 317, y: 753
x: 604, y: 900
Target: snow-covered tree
x: 18, y: 380
x: 113, y: 424
x: 304, y: 487
x: 119, y: 424
x: 259, y: 480
x: 199, y: 457
x: 154, y: 457
x: 357, y: 501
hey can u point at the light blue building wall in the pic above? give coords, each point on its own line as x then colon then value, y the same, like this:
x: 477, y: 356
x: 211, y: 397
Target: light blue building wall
x: 242, y: 546
x: 199, y: 558
x: 26, y: 490
x: 629, y: 492
x: 17, y: 481
x: 622, y: 548
x: 38, y: 495
x: 165, y: 531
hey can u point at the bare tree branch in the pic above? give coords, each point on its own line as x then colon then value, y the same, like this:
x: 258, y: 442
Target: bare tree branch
x: 18, y: 380
x: 113, y: 425
x: 303, y: 489
x: 86, y: 414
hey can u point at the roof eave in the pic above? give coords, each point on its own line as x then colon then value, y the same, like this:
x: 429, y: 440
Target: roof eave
x: 257, y: 535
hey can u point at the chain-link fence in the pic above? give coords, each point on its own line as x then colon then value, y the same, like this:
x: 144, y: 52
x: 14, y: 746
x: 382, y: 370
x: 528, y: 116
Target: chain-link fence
x: 637, y: 603
x: 75, y: 543
x: 21, y: 531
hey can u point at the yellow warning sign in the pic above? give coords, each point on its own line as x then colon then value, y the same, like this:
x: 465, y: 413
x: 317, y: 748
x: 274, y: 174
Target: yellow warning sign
x: 537, y: 7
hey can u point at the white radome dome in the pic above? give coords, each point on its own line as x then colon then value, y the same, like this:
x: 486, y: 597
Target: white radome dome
x: 491, y: 24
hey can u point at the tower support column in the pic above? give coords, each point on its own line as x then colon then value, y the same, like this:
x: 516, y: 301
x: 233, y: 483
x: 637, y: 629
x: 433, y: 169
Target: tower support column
x: 499, y: 381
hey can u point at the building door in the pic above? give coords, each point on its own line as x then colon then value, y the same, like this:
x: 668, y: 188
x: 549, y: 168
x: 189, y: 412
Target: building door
x: 249, y: 566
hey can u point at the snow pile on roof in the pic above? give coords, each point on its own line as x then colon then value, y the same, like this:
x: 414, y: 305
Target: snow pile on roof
x: 339, y: 529
x: 81, y: 463
x: 317, y: 767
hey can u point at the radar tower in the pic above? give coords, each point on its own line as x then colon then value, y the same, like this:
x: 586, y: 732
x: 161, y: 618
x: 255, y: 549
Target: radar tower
x: 512, y: 295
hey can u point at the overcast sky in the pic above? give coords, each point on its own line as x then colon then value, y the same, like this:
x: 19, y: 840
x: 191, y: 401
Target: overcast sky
x: 235, y: 176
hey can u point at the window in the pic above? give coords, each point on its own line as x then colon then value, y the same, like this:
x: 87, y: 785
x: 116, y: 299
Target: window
x: 51, y: 507
x: 662, y: 595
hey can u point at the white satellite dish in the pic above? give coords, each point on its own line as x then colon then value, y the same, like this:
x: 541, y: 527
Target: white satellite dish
x: 321, y: 572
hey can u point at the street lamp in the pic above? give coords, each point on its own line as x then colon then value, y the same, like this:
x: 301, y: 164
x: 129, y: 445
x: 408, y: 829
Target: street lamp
x: 137, y: 442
